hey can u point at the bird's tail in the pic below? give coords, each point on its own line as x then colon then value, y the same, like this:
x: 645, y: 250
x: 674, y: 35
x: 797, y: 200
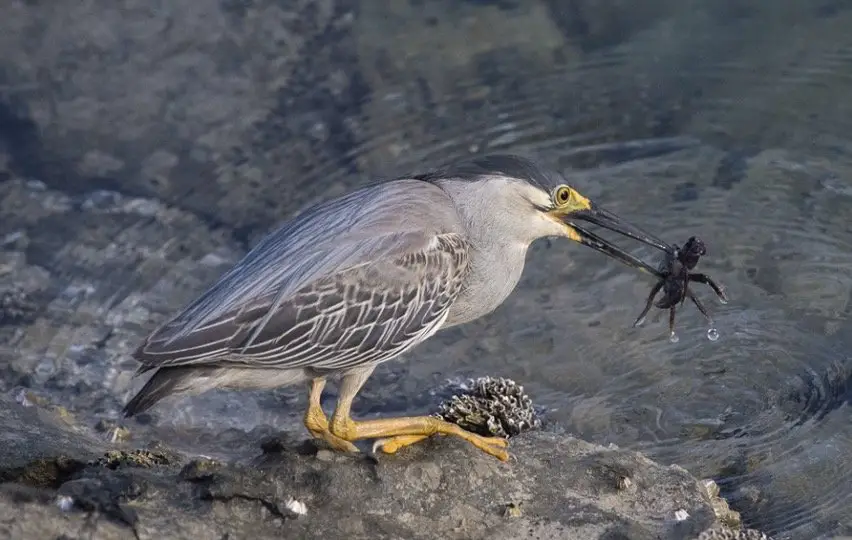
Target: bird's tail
x: 164, y: 382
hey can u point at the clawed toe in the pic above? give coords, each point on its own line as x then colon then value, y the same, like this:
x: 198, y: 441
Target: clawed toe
x: 490, y: 445
x: 496, y: 441
x: 499, y: 453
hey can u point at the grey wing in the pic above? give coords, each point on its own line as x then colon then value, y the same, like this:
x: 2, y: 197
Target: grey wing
x: 366, y: 313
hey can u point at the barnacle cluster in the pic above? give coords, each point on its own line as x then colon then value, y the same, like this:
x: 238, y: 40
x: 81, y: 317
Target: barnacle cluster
x: 725, y: 533
x: 492, y: 407
x: 114, y: 459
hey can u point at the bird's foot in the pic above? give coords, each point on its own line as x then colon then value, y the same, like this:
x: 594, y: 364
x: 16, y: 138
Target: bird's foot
x: 492, y: 446
x: 317, y: 423
x: 396, y: 433
x: 335, y: 442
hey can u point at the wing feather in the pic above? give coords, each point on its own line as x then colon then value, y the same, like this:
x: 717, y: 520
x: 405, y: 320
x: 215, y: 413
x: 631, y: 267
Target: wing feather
x: 379, y: 284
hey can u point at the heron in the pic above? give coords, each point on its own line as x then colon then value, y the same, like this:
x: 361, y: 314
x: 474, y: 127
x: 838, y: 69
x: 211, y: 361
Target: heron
x: 360, y: 279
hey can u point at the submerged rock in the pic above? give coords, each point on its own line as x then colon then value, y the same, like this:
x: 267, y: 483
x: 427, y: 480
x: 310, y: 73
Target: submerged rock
x: 58, y: 480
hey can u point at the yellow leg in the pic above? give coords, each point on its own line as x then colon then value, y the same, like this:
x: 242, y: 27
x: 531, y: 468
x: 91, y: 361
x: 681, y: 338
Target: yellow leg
x: 411, y: 429
x: 317, y: 422
x: 401, y: 431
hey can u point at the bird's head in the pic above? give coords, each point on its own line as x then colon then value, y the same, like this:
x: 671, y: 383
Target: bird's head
x: 528, y: 201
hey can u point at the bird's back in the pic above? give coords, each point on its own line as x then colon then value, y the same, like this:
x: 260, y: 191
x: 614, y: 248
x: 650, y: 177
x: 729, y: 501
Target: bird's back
x: 380, y: 222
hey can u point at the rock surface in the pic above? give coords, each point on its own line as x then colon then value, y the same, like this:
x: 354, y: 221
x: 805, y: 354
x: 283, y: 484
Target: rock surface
x: 62, y: 481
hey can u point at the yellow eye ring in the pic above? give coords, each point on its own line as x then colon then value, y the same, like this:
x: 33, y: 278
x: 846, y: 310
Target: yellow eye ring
x: 562, y: 195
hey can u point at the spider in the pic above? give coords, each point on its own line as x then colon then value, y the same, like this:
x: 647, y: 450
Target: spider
x: 674, y: 278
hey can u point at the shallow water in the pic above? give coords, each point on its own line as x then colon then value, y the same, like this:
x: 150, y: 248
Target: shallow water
x: 726, y: 120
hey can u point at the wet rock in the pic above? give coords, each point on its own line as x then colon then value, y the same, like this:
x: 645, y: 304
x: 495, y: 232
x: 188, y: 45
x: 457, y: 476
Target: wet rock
x: 207, y: 105
x: 426, y: 73
x: 136, y: 458
x: 724, y: 513
x: 43, y: 472
x: 100, y: 269
x: 56, y: 480
x: 102, y: 494
x: 623, y: 482
x: 15, y: 305
x: 596, y: 24
x: 513, y: 510
x: 113, y: 431
x: 199, y: 470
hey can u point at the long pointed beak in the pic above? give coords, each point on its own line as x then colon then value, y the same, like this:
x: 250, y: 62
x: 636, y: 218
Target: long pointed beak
x: 579, y: 208
x: 590, y: 239
x: 582, y: 209
x: 606, y: 219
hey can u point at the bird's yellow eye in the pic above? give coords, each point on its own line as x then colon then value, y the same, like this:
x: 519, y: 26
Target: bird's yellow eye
x: 562, y: 195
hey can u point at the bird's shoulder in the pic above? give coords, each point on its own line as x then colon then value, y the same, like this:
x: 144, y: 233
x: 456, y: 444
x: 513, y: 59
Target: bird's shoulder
x: 403, y: 220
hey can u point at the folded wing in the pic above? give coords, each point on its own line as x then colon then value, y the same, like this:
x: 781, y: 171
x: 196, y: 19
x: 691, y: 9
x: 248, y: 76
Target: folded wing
x: 378, y: 277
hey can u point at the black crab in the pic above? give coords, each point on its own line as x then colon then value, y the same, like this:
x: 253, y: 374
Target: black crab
x: 675, y: 274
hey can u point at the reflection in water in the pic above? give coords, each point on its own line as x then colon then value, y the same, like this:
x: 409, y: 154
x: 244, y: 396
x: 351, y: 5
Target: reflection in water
x: 728, y: 120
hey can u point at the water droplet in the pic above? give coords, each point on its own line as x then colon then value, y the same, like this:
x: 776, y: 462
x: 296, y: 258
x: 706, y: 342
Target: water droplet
x: 723, y: 301
x: 673, y: 338
x: 712, y: 334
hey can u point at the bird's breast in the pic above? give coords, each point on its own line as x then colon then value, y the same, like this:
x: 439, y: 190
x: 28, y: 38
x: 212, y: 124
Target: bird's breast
x: 493, y: 276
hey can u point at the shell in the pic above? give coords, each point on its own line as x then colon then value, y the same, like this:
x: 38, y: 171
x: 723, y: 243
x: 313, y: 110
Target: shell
x: 492, y: 407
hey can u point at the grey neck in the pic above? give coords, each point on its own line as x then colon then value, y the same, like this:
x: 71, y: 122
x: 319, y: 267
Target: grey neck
x: 497, y: 257
x: 494, y: 275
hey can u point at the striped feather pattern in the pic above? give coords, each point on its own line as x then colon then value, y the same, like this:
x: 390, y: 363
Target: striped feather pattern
x: 354, y: 281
